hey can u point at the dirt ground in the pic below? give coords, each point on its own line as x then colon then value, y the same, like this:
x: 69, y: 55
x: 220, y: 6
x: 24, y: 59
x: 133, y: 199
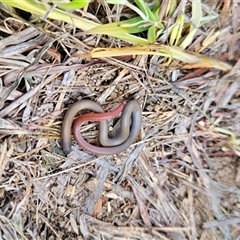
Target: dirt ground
x: 179, y: 180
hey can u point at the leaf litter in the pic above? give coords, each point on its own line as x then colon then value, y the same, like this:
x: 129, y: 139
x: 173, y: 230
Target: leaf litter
x: 180, y: 180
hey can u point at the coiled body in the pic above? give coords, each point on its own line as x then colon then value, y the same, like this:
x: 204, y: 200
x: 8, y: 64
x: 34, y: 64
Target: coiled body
x: 130, y: 125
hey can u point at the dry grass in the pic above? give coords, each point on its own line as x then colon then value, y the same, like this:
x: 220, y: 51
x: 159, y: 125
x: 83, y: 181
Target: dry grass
x: 175, y: 182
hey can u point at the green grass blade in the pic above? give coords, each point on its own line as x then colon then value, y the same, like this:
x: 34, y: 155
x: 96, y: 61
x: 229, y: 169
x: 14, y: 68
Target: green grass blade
x: 195, y: 22
x: 134, y: 25
x: 72, y: 5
